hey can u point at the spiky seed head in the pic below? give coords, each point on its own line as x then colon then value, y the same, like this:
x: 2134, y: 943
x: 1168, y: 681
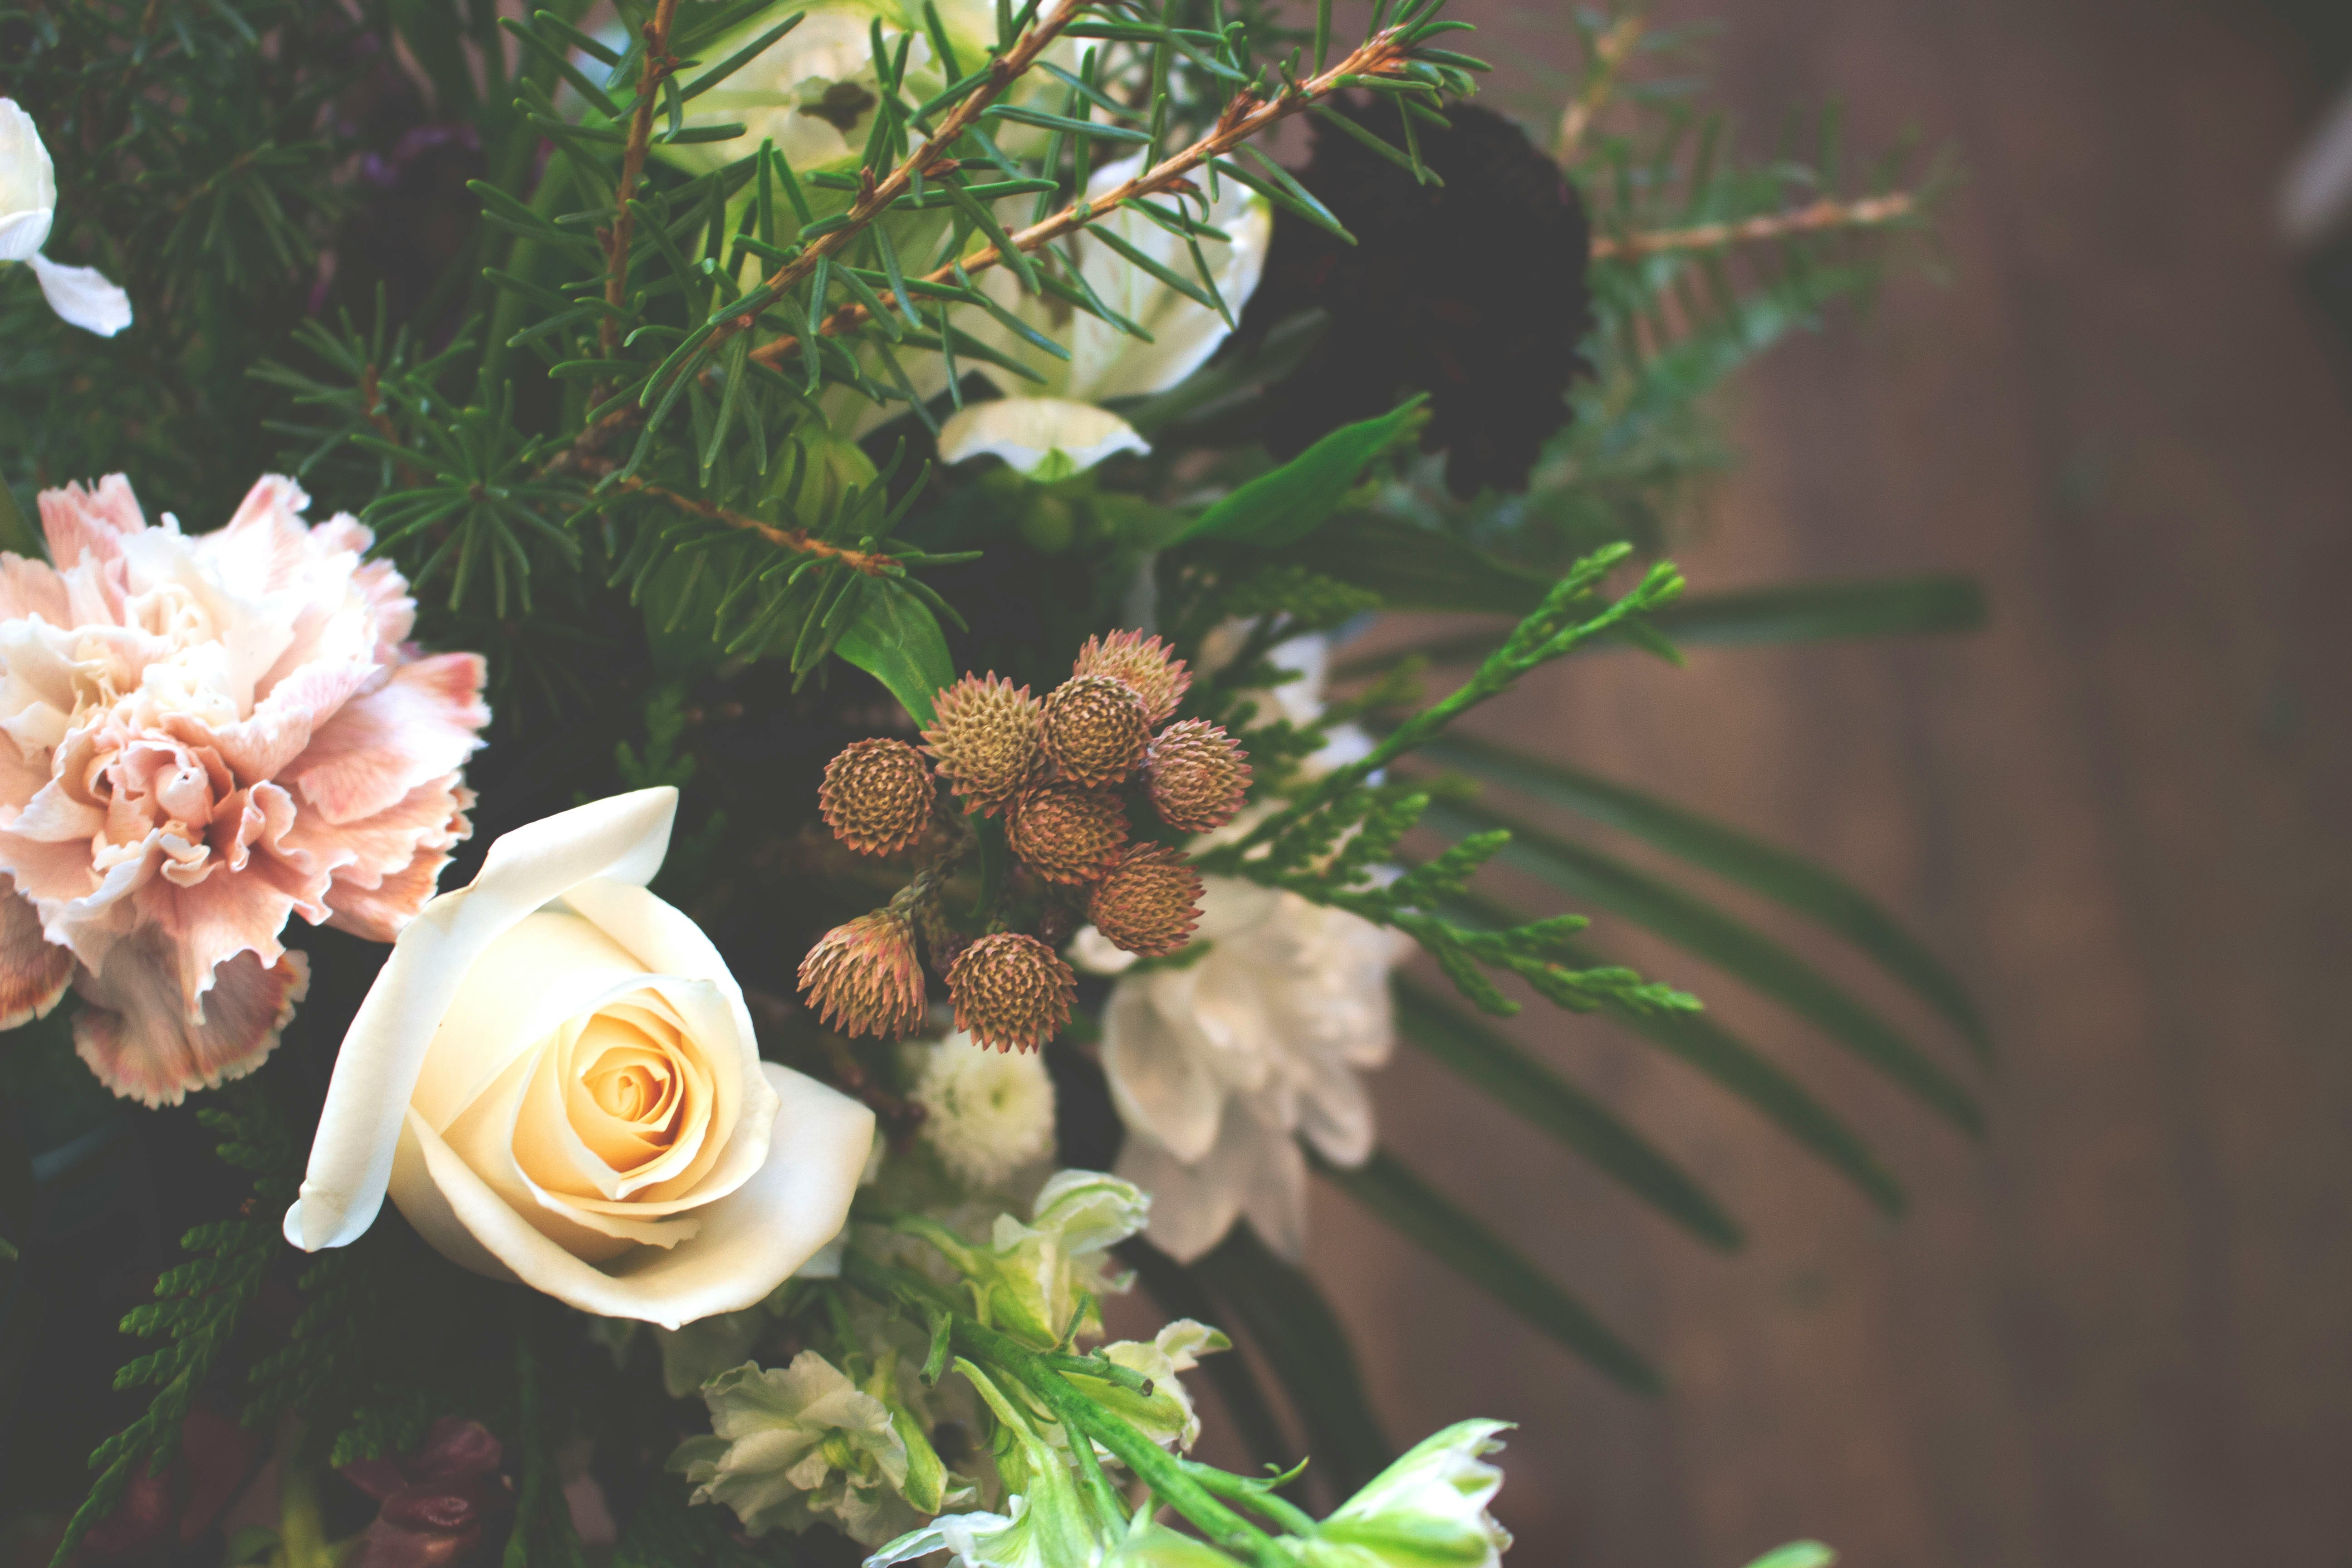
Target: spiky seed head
x: 1096, y: 728
x: 878, y: 795
x: 1145, y: 664
x: 985, y: 737
x: 1149, y: 902
x: 1064, y: 832
x: 864, y: 978
x: 1011, y: 992
x: 1196, y: 775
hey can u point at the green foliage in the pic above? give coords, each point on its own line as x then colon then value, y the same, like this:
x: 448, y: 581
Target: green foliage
x: 194, y: 163
x: 1326, y: 842
x: 1286, y: 505
x: 199, y: 1303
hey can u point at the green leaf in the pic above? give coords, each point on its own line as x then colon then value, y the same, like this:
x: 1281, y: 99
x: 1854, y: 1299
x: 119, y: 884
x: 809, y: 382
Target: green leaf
x: 1301, y: 1340
x: 1417, y: 568
x: 1728, y: 853
x: 895, y: 640
x: 1285, y: 505
x: 1797, y: 1554
x: 1522, y: 1085
x: 1799, y: 613
x: 1821, y: 612
x: 1454, y: 1237
x: 1736, y: 948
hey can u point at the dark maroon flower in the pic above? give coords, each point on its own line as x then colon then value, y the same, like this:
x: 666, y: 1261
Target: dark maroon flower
x: 1473, y: 292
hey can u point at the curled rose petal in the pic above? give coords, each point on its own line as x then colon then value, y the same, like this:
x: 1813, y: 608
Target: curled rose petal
x: 556, y: 1079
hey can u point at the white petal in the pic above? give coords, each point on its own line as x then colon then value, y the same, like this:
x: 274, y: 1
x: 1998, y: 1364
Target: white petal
x: 750, y: 1243
x: 23, y: 233
x: 1162, y: 1086
x: 621, y: 838
x: 29, y: 184
x: 83, y: 297
x: 1193, y: 1206
x: 1027, y: 431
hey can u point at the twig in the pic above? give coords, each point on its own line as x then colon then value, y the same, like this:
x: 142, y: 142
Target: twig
x: 1608, y: 56
x: 658, y: 66
x: 796, y: 538
x: 1826, y: 212
x: 876, y: 198
x: 1243, y: 119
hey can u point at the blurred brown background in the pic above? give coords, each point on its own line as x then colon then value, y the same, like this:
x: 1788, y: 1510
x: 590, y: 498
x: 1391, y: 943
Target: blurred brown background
x: 2118, y: 1333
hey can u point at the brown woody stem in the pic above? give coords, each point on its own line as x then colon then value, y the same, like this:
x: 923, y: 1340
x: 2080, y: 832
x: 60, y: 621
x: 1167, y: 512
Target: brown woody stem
x: 796, y: 538
x: 1244, y: 118
x: 1609, y: 56
x: 1822, y: 214
x: 658, y: 66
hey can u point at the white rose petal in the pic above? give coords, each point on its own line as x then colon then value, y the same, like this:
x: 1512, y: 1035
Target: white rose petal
x: 556, y: 1079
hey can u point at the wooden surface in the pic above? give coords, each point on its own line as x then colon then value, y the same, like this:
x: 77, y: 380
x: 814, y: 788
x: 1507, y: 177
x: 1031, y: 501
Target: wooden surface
x: 2118, y: 1333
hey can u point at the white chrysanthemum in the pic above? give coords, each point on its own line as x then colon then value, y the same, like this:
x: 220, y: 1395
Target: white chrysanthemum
x: 986, y: 1113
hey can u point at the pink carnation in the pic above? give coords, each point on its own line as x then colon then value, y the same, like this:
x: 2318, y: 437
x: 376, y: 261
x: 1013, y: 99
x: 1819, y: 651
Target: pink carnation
x: 204, y: 735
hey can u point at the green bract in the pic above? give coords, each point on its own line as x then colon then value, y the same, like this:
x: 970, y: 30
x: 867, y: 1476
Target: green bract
x: 1038, y: 1281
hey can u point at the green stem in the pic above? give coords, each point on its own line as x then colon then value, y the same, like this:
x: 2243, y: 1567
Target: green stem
x: 1252, y: 1494
x: 1081, y: 1417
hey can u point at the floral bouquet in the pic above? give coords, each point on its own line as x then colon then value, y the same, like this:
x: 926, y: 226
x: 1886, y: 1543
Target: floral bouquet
x: 819, y: 736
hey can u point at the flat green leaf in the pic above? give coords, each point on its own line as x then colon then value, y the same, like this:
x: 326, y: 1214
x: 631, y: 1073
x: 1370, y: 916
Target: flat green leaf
x: 1732, y: 946
x: 1525, y: 1087
x: 1788, y: 879
x: 1417, y: 568
x: 1821, y: 612
x: 1797, y: 612
x: 1730, y: 1061
x: 895, y: 640
x: 1285, y: 505
x: 1797, y: 1554
x: 1301, y: 1340
x: 1454, y: 1237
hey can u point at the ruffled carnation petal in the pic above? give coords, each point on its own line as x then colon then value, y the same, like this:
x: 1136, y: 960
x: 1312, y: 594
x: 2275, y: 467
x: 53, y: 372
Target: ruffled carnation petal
x: 93, y: 521
x: 375, y: 893
x: 146, y: 1044
x: 34, y: 972
x: 420, y: 724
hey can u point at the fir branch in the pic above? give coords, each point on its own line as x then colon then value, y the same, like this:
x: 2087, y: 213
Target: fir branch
x: 1869, y: 212
x: 658, y: 66
x: 1385, y: 57
x: 876, y: 196
x: 800, y: 540
x: 1608, y: 58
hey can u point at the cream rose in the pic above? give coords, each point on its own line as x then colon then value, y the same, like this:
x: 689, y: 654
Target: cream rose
x: 555, y: 1079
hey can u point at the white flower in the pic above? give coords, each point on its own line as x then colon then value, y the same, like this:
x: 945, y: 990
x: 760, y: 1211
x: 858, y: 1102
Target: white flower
x: 29, y: 203
x: 1031, y: 1280
x: 556, y: 1079
x: 1218, y: 1067
x: 1167, y: 1417
x: 986, y: 1113
x: 1035, y: 420
x: 1426, y: 1510
x: 795, y: 1444
x: 1041, y: 438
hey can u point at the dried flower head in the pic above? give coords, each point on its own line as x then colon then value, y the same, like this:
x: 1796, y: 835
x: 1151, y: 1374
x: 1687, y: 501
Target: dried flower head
x: 1149, y: 902
x: 1197, y: 775
x: 1096, y: 728
x: 863, y: 978
x: 1010, y: 992
x: 984, y: 738
x: 1145, y: 664
x: 1064, y: 832
x: 878, y: 795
